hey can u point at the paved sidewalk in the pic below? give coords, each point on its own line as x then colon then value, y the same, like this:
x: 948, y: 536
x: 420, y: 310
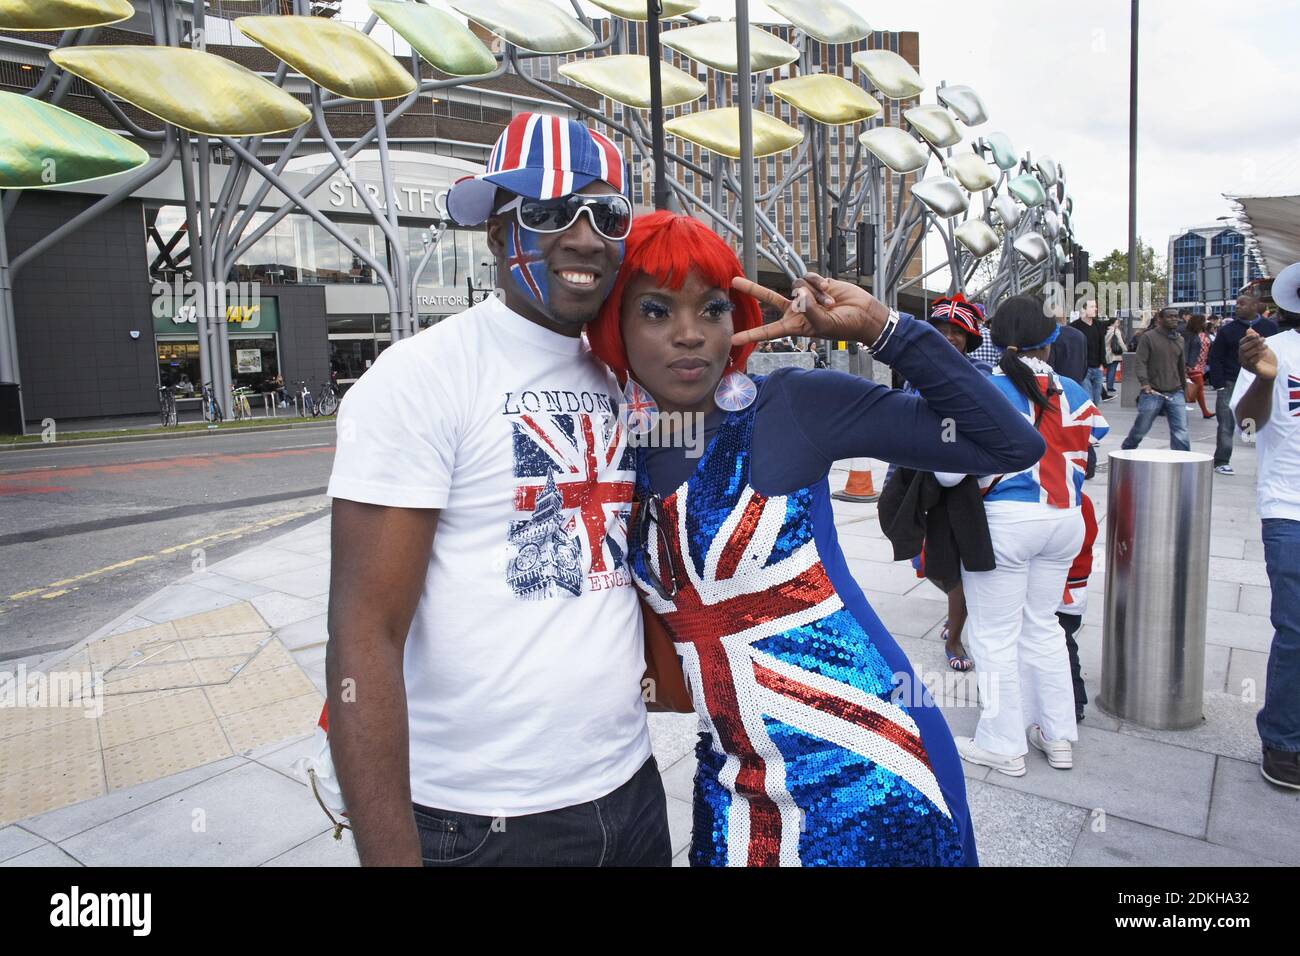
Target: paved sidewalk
x: 1134, y: 797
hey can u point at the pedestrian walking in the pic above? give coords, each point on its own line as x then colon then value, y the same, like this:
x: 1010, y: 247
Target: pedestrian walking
x: 1161, y: 369
x: 1198, y: 357
x: 1115, y: 349
x: 1094, y: 334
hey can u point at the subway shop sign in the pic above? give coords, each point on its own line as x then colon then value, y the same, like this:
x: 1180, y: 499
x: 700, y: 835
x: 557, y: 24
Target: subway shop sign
x: 260, y: 315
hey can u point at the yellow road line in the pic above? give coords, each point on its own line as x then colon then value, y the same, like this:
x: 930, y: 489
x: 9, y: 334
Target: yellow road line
x: 58, y: 588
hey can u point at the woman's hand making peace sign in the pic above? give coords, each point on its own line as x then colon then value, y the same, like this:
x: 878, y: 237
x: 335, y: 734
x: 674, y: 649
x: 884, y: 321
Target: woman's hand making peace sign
x: 822, y: 308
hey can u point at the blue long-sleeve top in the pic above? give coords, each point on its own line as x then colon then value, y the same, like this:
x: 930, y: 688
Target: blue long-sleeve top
x: 806, y: 420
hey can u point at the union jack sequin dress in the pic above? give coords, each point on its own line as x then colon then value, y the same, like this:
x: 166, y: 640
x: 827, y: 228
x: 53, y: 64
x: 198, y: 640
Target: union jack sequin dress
x: 805, y: 757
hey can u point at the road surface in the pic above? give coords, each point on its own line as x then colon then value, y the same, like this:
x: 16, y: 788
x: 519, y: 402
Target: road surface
x: 87, y: 531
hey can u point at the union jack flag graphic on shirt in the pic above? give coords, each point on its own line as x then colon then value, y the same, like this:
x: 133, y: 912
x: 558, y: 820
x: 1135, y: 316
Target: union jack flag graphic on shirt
x: 1293, y: 395
x: 575, y: 477
x: 808, y: 747
x: 1067, y: 425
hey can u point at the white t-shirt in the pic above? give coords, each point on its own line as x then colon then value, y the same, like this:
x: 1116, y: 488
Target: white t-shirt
x: 1278, y: 441
x: 525, y: 656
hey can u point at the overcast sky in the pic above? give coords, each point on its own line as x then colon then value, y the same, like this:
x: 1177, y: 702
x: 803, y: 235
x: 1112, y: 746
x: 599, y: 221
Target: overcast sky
x: 1219, y: 107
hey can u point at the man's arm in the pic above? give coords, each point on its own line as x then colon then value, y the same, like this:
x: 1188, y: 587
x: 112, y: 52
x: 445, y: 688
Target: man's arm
x: 379, y: 557
x: 1256, y: 403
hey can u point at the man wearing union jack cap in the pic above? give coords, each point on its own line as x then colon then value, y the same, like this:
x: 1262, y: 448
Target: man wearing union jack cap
x: 486, y: 652
x: 1266, y: 400
x: 555, y: 265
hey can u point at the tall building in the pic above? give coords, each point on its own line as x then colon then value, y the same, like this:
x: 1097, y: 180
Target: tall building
x: 793, y: 210
x: 1187, y: 249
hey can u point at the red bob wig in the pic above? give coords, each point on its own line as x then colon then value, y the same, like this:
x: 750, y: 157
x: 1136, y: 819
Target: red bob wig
x: 668, y: 247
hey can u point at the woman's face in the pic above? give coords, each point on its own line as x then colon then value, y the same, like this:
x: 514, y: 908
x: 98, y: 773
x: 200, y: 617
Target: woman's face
x: 955, y: 336
x: 677, y: 340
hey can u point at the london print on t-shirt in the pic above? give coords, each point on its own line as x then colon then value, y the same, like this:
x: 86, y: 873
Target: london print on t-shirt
x: 575, y: 474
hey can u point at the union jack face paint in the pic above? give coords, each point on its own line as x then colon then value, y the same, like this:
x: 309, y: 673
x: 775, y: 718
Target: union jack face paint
x: 526, y: 265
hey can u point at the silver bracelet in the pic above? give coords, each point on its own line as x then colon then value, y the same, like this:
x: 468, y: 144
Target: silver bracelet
x: 886, y: 333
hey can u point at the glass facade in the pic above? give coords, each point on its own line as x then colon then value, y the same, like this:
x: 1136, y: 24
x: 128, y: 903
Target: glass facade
x: 1186, y: 255
x: 355, y: 343
x: 1231, y: 245
x: 1189, y: 250
x: 298, y: 251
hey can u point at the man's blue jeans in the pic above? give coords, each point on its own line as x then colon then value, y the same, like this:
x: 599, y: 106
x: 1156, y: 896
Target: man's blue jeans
x: 1279, y: 721
x: 1094, y: 381
x: 1112, y: 369
x: 1152, y: 404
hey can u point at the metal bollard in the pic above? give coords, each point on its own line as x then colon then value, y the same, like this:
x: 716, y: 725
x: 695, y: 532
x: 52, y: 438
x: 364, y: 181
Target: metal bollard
x: 1157, y: 578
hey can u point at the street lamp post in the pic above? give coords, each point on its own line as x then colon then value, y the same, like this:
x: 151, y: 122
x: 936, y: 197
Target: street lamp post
x: 653, y: 10
x: 1132, y: 162
x: 430, y: 240
x: 745, y: 103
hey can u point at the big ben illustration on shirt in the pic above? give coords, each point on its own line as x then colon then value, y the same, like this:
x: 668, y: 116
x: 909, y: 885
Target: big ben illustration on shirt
x: 547, y: 555
x: 575, y: 477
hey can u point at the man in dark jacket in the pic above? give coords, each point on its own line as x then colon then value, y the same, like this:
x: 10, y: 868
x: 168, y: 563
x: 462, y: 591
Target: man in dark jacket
x: 1069, y: 356
x: 1223, y: 369
x: 1161, y: 368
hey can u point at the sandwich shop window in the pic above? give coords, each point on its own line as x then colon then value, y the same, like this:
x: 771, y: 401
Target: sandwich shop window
x: 254, y: 356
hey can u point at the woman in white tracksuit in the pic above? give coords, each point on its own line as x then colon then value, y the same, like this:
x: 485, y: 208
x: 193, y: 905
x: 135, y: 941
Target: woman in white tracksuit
x: 1027, y: 696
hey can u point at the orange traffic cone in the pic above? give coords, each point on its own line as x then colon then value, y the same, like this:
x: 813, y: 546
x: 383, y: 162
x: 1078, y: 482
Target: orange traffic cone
x: 859, y: 488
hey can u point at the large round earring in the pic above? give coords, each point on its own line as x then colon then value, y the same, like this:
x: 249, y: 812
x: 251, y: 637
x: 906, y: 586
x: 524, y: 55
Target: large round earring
x: 735, y: 392
x: 639, y: 411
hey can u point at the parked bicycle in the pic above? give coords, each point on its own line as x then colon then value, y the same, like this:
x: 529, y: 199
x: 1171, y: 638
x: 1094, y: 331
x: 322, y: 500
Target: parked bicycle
x: 239, y: 406
x: 212, y: 413
x: 325, y: 401
x: 166, y: 405
x: 328, y: 402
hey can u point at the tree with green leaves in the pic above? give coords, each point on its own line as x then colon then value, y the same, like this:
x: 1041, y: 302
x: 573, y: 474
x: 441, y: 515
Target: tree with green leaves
x: 1113, y: 269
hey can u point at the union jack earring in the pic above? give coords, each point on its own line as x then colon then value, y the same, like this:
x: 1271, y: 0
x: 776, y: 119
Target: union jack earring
x: 640, y: 413
x: 735, y: 392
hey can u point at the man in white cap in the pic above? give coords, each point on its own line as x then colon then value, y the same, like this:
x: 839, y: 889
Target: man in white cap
x: 486, y: 653
x: 1267, y: 401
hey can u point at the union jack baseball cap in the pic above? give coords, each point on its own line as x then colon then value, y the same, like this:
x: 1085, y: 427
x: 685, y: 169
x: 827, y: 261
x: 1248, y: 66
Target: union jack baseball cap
x: 539, y: 157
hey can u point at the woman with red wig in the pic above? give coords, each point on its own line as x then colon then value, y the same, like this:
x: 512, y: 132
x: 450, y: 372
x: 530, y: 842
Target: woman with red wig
x: 818, y: 746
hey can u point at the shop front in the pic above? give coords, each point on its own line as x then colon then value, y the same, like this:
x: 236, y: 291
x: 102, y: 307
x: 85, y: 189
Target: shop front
x: 254, y: 333
x: 357, y: 338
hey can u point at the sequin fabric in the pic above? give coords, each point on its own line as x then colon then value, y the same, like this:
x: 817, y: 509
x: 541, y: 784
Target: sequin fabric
x: 804, y: 758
